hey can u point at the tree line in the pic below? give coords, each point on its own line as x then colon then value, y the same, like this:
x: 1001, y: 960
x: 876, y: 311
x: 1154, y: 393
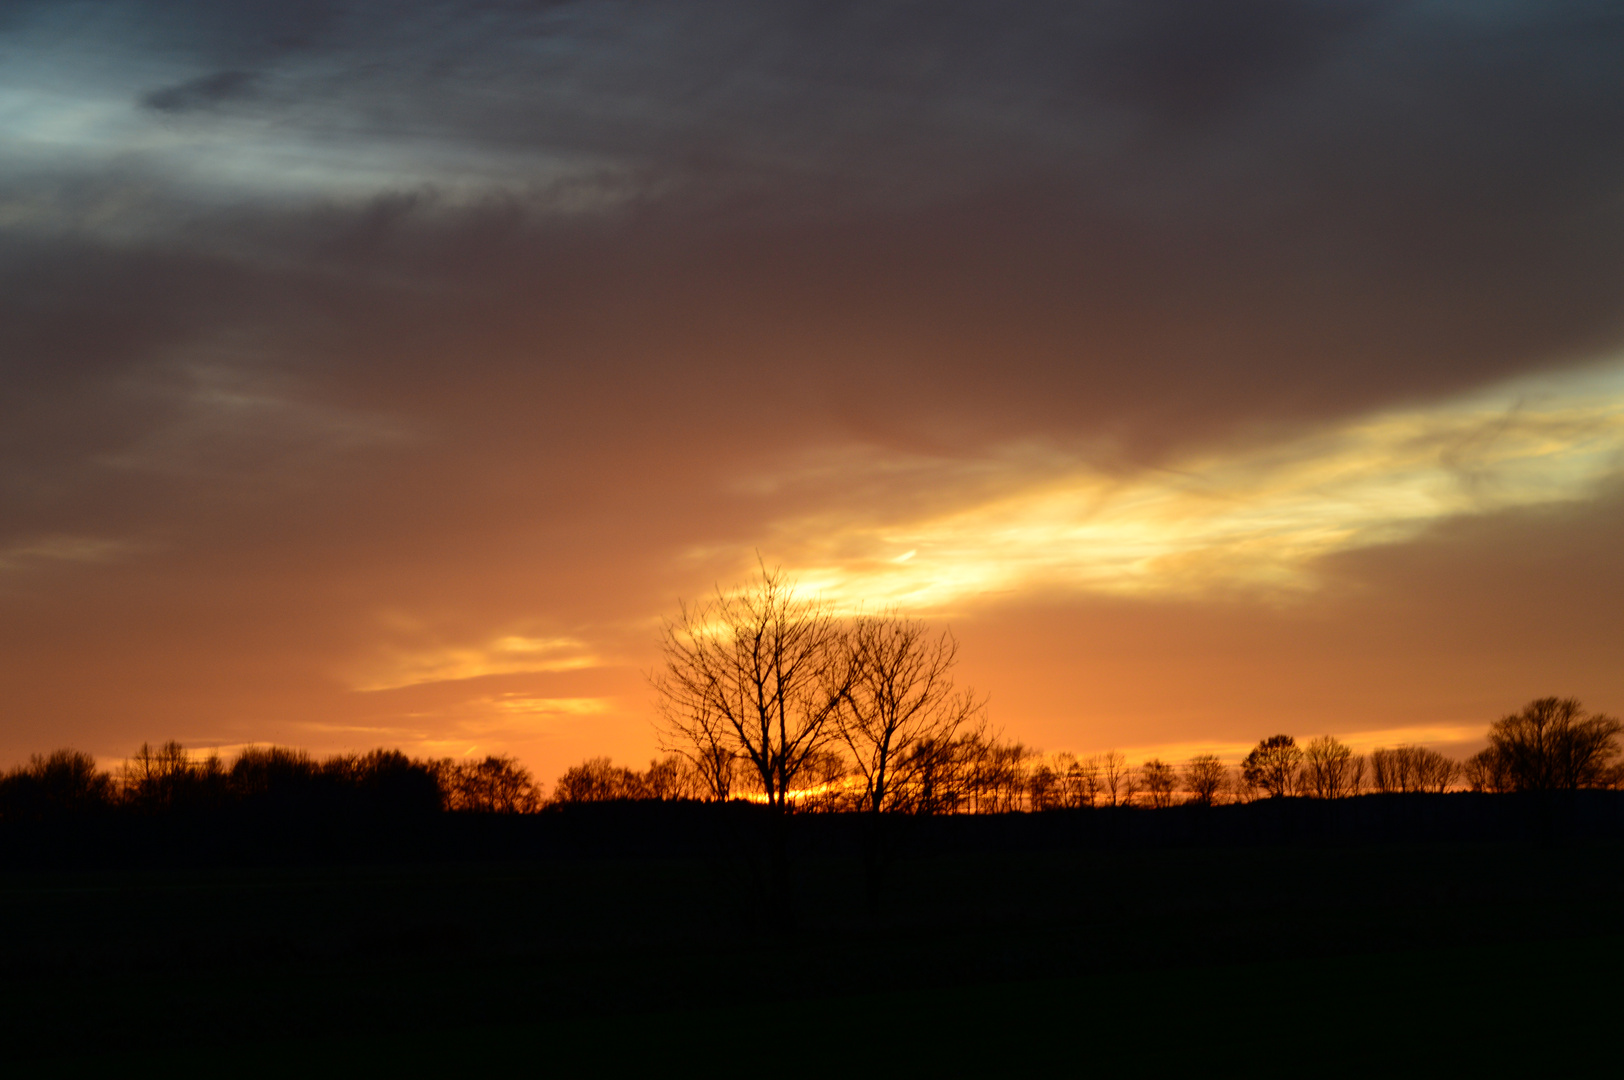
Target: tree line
x: 1552, y: 744
x: 168, y: 779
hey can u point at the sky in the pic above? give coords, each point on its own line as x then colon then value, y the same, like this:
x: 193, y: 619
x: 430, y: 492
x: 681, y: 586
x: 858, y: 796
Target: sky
x: 382, y: 374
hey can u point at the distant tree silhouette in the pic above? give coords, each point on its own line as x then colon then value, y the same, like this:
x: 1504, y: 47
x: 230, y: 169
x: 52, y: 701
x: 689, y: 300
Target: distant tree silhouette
x: 1117, y: 781
x: 1487, y: 771
x: 1069, y: 779
x: 1045, y: 788
x: 1391, y: 771
x: 1412, y: 768
x: 1436, y: 771
x: 755, y: 674
x: 826, y: 782
x: 1272, y: 765
x: 997, y: 774
x: 597, y: 780
x: 671, y: 778
x: 1331, y: 770
x: 1083, y: 786
x: 266, y: 771
x: 896, y: 691
x: 496, y: 784
x: 1204, y: 779
x: 1161, y: 779
x: 167, y: 778
x: 1551, y: 745
x: 940, y: 769
x: 390, y: 783
x: 63, y: 783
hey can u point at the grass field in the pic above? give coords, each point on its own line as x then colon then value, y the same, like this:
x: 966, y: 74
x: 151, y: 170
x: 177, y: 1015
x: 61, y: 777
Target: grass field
x: 1265, y: 958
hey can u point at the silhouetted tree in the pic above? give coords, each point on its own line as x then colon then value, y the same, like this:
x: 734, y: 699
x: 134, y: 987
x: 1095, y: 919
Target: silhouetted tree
x: 597, y: 780
x: 63, y: 783
x: 1117, y: 781
x: 671, y: 778
x: 1412, y: 768
x: 756, y: 674
x: 1083, y: 782
x: 389, y: 782
x: 896, y: 683
x: 1160, y: 781
x: 156, y: 779
x: 496, y: 784
x: 824, y: 782
x: 940, y: 770
x: 1331, y: 770
x: 1272, y: 765
x: 1487, y: 770
x: 1392, y: 771
x: 1204, y: 778
x: 267, y: 771
x: 1435, y: 771
x: 1552, y: 745
x: 1044, y: 790
x: 998, y: 774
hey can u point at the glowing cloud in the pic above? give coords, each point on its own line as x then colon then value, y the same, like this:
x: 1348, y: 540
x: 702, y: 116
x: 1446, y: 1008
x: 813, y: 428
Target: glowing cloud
x: 1254, y: 518
x: 506, y: 655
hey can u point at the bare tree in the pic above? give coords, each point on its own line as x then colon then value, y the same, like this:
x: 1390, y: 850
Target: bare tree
x: 1412, y: 768
x: 898, y: 692
x: 1116, y: 778
x: 825, y: 782
x: 1237, y: 787
x: 940, y: 768
x: 1272, y: 765
x: 1083, y: 780
x: 597, y: 780
x: 1043, y: 787
x: 1331, y: 770
x: 1391, y: 771
x: 670, y: 778
x: 752, y: 675
x: 1552, y: 745
x: 1204, y: 778
x: 154, y: 777
x: 1487, y: 770
x: 1160, y: 781
x: 1435, y: 771
x: 497, y: 784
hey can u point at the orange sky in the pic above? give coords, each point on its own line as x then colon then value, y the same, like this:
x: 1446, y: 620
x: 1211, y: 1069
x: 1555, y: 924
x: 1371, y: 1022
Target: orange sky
x: 384, y: 381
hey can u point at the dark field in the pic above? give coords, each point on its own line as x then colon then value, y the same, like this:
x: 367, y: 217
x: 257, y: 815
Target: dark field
x: 1285, y: 957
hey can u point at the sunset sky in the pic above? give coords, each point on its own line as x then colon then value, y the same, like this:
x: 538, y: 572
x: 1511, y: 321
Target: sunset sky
x: 382, y: 373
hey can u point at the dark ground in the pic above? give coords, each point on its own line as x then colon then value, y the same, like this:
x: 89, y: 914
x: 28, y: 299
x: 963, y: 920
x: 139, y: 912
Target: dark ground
x: 1302, y: 956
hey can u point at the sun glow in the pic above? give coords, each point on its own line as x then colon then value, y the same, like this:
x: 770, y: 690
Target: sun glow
x: 1256, y: 518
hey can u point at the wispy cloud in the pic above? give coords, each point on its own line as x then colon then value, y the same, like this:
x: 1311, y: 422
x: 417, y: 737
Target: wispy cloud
x: 61, y: 549
x: 509, y: 654
x: 1255, y: 518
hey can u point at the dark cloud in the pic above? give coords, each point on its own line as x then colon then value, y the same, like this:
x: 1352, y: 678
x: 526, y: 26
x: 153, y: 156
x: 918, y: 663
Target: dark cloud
x: 204, y: 92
